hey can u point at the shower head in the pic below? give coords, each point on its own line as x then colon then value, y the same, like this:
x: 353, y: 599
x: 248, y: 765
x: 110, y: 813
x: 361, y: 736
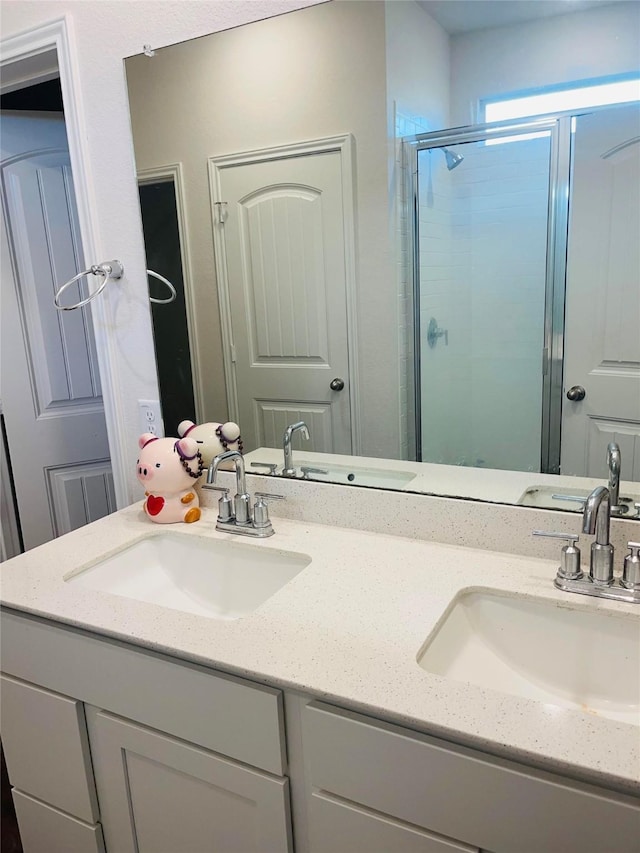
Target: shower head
x: 452, y: 158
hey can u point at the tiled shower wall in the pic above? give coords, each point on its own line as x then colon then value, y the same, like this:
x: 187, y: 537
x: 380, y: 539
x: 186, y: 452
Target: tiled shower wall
x: 483, y: 229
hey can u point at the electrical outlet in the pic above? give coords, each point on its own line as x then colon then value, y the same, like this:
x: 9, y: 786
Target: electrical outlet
x: 150, y: 417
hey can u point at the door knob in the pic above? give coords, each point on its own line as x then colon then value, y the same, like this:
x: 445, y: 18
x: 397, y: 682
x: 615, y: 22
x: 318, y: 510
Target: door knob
x: 576, y: 393
x: 336, y: 384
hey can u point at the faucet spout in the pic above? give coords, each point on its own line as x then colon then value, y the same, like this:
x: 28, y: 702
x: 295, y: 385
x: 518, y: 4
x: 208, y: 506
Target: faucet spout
x: 596, y: 515
x: 596, y: 519
x: 289, y: 470
x: 614, y: 462
x: 238, y: 459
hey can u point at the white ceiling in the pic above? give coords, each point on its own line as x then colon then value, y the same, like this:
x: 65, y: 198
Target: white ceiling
x: 460, y: 16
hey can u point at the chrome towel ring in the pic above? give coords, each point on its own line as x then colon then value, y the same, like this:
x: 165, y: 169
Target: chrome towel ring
x: 169, y: 285
x: 107, y: 269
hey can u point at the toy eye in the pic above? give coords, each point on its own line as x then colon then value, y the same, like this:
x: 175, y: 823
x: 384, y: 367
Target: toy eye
x: 157, y: 464
x: 199, y: 442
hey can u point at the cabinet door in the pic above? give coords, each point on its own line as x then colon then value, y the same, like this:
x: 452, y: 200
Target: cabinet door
x: 162, y: 795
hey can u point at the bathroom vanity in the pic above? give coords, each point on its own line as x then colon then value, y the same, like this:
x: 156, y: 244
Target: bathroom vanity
x: 316, y: 719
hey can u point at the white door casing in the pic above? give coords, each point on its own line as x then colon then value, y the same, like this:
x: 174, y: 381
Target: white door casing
x: 283, y: 235
x: 602, y: 335
x: 51, y: 391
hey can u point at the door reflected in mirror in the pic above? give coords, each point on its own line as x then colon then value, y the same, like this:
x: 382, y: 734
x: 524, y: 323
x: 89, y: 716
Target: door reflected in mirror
x: 457, y: 283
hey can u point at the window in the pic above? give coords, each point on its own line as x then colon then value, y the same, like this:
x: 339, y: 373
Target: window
x: 570, y: 97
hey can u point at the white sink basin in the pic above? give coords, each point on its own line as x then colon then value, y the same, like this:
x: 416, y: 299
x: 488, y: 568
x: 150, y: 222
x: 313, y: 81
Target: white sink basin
x: 209, y: 577
x: 587, y: 660
x: 358, y: 476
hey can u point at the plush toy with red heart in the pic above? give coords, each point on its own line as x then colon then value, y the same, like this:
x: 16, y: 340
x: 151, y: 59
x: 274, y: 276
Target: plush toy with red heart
x: 168, y: 469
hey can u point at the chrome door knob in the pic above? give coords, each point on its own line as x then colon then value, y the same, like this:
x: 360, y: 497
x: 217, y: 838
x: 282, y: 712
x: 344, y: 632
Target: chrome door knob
x: 336, y: 384
x: 576, y: 393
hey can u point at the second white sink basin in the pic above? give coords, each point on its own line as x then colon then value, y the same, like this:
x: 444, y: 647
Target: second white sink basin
x: 209, y: 577
x: 587, y: 660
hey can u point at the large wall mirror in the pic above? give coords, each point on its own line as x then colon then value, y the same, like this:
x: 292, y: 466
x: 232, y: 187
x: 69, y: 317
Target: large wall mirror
x: 370, y: 233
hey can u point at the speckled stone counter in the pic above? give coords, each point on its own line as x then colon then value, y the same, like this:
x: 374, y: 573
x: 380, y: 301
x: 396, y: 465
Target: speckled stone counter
x: 348, y: 628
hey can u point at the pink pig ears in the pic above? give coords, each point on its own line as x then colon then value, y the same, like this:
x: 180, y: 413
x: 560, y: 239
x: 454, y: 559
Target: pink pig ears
x: 187, y: 447
x: 145, y: 438
x: 185, y: 427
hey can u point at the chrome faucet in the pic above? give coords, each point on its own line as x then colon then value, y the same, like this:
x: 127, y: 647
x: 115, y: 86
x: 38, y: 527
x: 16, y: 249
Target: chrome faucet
x: 289, y: 470
x: 596, y: 518
x: 600, y: 581
x: 236, y: 516
x: 614, y: 461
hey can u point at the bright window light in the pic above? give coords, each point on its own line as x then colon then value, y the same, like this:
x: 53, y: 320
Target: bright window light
x: 598, y: 95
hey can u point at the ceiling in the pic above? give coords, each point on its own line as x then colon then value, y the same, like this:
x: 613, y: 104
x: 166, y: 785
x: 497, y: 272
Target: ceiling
x: 461, y: 16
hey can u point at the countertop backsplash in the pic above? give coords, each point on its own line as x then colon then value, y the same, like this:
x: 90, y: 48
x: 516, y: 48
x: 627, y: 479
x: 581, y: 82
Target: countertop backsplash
x: 451, y: 521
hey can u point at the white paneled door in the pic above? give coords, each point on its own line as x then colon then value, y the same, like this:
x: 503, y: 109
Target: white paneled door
x: 282, y: 255
x: 50, y: 386
x: 602, y: 338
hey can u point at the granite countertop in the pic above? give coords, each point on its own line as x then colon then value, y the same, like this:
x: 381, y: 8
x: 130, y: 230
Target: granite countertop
x: 347, y: 629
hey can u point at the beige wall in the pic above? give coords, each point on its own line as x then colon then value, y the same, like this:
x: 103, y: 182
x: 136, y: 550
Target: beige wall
x: 317, y: 73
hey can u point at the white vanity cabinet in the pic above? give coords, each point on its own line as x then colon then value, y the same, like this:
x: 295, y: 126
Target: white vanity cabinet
x: 372, y: 787
x: 185, y: 759
x: 113, y: 748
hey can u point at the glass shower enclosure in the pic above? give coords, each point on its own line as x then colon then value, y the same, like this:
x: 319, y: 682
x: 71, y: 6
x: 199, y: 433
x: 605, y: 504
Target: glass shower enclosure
x: 490, y: 207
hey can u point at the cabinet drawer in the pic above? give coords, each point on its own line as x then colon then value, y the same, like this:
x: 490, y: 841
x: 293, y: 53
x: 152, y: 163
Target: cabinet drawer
x: 44, y: 736
x: 337, y: 826
x: 44, y: 829
x: 218, y: 711
x: 460, y: 793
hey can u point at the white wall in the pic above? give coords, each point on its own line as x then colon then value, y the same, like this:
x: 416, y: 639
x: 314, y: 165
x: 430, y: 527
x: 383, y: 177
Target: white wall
x: 104, y: 33
x: 417, y: 101
x: 296, y: 78
x: 581, y: 45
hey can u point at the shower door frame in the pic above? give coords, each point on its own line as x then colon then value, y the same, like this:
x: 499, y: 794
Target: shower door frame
x: 552, y: 356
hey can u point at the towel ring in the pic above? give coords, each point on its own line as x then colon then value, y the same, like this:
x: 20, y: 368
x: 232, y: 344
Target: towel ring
x: 169, y: 285
x: 107, y: 269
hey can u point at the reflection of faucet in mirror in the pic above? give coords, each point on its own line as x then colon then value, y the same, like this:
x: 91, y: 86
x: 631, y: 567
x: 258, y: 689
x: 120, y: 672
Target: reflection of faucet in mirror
x: 289, y: 470
x: 614, y: 462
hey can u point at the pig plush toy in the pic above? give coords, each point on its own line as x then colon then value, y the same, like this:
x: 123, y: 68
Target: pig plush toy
x: 168, y: 469
x: 212, y: 438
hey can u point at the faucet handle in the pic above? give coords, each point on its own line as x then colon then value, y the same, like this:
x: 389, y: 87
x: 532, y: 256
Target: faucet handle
x: 261, y: 510
x: 272, y: 466
x: 569, y: 555
x: 308, y: 469
x: 225, y: 505
x: 631, y: 570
